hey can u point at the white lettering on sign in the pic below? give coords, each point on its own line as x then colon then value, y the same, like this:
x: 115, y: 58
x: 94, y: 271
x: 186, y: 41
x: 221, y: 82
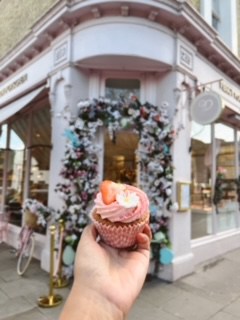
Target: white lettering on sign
x: 60, y: 53
x: 15, y: 84
x: 229, y: 90
x: 186, y: 58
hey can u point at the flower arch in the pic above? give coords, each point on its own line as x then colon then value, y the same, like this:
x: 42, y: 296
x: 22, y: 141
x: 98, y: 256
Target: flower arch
x: 80, y: 164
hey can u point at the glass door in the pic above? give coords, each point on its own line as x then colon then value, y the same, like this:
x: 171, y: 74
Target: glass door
x: 225, y: 194
x: 201, y: 194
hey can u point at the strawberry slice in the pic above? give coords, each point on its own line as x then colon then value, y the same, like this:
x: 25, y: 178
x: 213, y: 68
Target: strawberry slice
x: 108, y: 190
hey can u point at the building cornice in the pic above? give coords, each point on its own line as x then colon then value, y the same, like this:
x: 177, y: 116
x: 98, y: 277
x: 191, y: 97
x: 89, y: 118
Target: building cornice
x: 176, y: 15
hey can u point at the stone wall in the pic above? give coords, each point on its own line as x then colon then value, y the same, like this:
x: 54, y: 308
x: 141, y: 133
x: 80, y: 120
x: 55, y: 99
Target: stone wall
x: 17, y: 17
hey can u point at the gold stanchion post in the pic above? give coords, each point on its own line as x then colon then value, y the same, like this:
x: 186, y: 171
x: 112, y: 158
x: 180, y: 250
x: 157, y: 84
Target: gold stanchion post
x: 52, y: 300
x: 60, y: 280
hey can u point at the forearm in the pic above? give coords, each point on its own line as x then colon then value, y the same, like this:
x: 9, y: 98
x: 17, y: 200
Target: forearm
x: 86, y: 304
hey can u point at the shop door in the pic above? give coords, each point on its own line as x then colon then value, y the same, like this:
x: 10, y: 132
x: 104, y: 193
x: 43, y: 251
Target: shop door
x: 120, y: 161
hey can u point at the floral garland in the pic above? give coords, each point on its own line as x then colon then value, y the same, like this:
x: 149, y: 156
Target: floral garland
x: 80, y: 165
x: 42, y: 212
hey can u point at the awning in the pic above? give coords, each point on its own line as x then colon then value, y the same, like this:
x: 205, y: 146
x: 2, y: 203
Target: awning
x: 12, y: 108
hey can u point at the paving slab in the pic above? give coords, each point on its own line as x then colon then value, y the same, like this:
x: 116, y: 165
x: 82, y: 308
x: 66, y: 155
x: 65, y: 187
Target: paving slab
x: 24, y: 287
x: 223, y: 292
x: 189, y: 306
x: 233, y: 308
x: 142, y: 309
x: 34, y: 314
x: 224, y: 316
x: 156, y: 292
x: 14, y: 307
x: 3, y: 297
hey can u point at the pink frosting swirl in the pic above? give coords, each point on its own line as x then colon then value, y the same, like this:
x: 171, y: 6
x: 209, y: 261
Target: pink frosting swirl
x: 116, y: 212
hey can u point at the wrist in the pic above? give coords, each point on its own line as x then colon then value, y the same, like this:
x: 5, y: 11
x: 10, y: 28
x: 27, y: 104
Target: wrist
x: 87, y: 304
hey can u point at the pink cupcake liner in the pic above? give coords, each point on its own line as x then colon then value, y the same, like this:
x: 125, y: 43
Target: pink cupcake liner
x: 119, y: 236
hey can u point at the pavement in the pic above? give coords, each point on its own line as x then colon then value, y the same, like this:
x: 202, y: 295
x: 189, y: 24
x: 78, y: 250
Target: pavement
x: 211, y: 292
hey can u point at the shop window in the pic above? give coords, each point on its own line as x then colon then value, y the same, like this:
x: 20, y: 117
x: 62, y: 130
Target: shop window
x: 16, y: 169
x: 201, y: 197
x: 214, y: 180
x: 28, y: 159
x: 226, y: 194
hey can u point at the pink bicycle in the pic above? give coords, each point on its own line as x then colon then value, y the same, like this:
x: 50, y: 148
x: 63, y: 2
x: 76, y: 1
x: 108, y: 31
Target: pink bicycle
x: 26, y: 249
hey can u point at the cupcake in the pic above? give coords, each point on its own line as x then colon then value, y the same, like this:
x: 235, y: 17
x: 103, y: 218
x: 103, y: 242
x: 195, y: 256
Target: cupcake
x: 121, y: 211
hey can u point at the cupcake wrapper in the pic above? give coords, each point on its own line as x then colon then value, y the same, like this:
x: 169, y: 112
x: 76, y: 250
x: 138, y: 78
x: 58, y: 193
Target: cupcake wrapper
x: 119, y: 236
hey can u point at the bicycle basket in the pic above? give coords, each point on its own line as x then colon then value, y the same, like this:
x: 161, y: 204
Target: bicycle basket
x: 30, y: 219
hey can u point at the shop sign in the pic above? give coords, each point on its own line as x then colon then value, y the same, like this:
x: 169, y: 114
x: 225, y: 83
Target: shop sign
x: 206, y: 107
x: 60, y: 53
x: 226, y: 88
x: 186, y: 58
x: 13, y: 85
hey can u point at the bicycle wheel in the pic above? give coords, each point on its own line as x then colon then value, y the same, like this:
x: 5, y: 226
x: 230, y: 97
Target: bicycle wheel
x: 25, y: 256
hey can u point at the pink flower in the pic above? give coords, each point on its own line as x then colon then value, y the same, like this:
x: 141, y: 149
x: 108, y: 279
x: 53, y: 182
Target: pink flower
x: 221, y: 170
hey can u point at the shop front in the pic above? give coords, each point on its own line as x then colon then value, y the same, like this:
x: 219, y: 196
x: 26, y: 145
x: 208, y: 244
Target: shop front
x: 155, y: 63
x: 215, y: 177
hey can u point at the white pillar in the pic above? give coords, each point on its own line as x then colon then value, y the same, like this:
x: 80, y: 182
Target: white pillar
x: 67, y: 87
x: 180, y: 222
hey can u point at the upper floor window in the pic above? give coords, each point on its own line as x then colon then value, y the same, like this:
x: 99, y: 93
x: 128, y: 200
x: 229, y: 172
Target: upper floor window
x: 215, y: 14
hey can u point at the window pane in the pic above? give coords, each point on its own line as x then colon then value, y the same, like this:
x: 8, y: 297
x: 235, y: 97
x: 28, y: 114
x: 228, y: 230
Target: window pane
x: 122, y: 88
x: 15, y: 180
x: 201, y: 204
x: 226, y: 192
x: 215, y: 14
x: 16, y: 169
x: 40, y: 157
x: 39, y: 180
x: 119, y: 158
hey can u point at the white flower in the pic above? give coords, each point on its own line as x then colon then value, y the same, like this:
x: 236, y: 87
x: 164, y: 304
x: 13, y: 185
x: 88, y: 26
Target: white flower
x: 174, y: 207
x: 127, y: 199
x: 168, y: 191
x: 116, y: 114
x: 85, y: 103
x: 74, y: 217
x: 79, y: 123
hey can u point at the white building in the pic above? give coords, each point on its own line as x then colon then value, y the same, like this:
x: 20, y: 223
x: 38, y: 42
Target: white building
x: 161, y: 51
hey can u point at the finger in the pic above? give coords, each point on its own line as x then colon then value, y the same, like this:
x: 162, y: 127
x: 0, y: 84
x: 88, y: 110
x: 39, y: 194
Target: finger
x: 143, y: 241
x: 147, y: 231
x: 89, y: 233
